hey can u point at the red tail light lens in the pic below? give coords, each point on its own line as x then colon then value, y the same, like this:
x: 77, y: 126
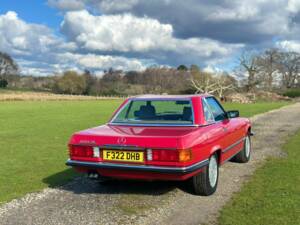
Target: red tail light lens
x: 81, y: 151
x: 165, y: 155
x: 182, y: 155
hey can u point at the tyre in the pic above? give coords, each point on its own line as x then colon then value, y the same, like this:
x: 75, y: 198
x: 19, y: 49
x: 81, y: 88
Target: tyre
x: 244, y: 155
x: 206, y: 182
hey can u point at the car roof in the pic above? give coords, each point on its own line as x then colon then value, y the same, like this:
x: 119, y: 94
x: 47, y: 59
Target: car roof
x: 169, y: 96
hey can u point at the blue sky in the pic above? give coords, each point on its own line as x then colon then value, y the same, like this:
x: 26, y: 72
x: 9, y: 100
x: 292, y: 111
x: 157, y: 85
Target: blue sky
x: 50, y: 36
x: 33, y: 11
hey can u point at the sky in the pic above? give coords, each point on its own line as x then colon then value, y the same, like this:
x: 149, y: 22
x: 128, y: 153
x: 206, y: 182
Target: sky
x: 51, y: 36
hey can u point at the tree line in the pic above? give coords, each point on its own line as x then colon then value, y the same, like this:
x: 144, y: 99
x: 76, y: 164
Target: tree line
x: 270, y: 70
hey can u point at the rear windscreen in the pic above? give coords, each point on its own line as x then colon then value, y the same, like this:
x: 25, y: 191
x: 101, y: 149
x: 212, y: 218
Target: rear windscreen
x: 156, y: 112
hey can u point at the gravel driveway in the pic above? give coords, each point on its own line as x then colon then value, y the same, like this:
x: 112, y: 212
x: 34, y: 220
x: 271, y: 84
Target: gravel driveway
x: 123, y: 202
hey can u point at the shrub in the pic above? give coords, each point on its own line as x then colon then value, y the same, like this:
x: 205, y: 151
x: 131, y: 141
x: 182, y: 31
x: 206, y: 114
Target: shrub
x: 292, y: 93
x: 71, y: 83
x: 3, y: 83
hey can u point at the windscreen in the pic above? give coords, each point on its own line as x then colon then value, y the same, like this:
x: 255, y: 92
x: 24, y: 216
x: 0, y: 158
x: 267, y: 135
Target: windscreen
x: 173, y: 112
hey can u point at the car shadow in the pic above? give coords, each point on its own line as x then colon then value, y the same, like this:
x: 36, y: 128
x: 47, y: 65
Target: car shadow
x: 82, y: 184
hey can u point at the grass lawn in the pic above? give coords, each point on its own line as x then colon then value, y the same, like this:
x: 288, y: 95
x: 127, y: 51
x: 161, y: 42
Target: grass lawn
x: 272, y: 196
x: 34, y: 136
x: 248, y: 110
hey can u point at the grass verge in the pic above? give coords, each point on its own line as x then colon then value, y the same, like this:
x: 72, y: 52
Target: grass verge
x: 272, y: 195
x: 34, y: 136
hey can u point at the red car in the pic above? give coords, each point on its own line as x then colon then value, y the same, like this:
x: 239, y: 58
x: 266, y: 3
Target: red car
x: 151, y: 137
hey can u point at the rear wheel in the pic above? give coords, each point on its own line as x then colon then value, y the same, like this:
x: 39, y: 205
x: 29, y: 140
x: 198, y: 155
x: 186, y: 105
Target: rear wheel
x: 206, y: 182
x: 244, y: 155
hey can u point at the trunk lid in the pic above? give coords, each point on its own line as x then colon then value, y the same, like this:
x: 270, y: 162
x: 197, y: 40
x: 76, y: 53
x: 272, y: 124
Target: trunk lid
x: 142, y: 137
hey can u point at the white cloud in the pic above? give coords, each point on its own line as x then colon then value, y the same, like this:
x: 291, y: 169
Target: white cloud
x: 20, y: 38
x: 204, y: 47
x: 115, y: 32
x: 67, y: 4
x: 230, y: 21
x: 97, y: 62
x: 293, y: 6
x: 128, y: 33
x: 240, y: 11
x: 100, y: 5
x: 116, y: 5
x: 78, y: 62
x: 38, y: 51
x: 289, y: 45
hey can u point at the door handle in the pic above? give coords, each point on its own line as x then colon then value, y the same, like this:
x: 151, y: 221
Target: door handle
x: 225, y: 129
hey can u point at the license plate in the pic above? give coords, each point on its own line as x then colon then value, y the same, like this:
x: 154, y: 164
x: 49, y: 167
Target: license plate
x: 126, y: 156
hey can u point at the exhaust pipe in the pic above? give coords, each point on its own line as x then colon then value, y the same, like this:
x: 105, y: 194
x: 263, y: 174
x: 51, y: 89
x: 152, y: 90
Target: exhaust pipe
x: 93, y: 175
x: 96, y: 176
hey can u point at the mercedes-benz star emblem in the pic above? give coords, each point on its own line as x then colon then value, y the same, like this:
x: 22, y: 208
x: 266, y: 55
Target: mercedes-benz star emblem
x: 121, y: 140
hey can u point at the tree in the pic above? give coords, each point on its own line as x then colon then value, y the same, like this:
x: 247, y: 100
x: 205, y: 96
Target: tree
x: 165, y: 80
x: 133, y: 77
x: 224, y: 83
x: 201, y: 81
x: 7, y: 65
x: 71, y: 83
x: 289, y: 68
x: 248, y: 64
x: 268, y: 65
x: 90, y: 81
x: 3, y: 83
x: 182, y: 67
x: 113, y: 83
x: 214, y: 84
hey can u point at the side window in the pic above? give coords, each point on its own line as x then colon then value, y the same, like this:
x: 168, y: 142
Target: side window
x: 207, y: 113
x: 217, y: 110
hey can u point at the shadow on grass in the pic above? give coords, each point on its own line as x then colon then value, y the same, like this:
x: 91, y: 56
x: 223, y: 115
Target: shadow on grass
x: 60, y: 178
x: 69, y: 180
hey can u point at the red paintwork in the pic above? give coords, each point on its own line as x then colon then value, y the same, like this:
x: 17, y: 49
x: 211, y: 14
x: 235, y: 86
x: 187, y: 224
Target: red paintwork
x: 203, y: 140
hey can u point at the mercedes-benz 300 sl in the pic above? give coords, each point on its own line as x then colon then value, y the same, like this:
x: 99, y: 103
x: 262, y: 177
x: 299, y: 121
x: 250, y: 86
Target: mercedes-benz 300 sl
x: 164, y: 137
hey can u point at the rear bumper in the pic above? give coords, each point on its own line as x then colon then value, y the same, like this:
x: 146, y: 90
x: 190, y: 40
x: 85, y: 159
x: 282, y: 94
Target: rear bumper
x: 139, y: 168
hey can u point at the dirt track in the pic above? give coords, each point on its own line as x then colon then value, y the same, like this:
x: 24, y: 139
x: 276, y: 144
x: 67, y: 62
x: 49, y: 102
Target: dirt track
x: 86, y: 202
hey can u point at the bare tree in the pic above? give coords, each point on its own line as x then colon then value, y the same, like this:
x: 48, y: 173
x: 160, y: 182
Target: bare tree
x: 7, y: 65
x: 164, y: 80
x: 224, y: 83
x: 248, y: 64
x: 289, y: 68
x: 267, y: 64
x: 212, y: 84
x: 207, y: 87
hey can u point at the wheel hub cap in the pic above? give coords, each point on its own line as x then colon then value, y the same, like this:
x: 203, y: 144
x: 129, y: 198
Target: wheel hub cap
x: 213, y: 171
x: 247, y: 147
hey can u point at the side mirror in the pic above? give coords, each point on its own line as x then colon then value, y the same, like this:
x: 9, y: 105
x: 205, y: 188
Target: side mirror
x: 233, y: 113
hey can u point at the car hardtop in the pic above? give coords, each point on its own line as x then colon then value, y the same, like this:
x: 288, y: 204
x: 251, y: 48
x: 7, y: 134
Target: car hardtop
x: 169, y: 97
x: 195, y: 111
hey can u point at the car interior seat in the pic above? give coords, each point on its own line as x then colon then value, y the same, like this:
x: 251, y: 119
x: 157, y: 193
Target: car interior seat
x: 187, y: 114
x: 147, y: 111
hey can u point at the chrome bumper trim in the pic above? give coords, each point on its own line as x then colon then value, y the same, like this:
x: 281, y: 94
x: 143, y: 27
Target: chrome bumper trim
x: 159, y: 169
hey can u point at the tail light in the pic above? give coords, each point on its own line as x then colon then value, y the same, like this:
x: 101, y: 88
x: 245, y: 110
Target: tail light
x: 169, y: 155
x: 81, y: 151
x: 165, y: 155
x: 185, y: 155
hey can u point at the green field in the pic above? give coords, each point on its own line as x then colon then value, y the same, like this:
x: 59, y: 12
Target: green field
x: 34, y: 136
x: 272, y: 196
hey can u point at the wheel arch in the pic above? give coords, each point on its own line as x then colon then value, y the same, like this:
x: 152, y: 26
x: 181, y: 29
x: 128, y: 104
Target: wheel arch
x: 218, y: 151
x: 249, y: 131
